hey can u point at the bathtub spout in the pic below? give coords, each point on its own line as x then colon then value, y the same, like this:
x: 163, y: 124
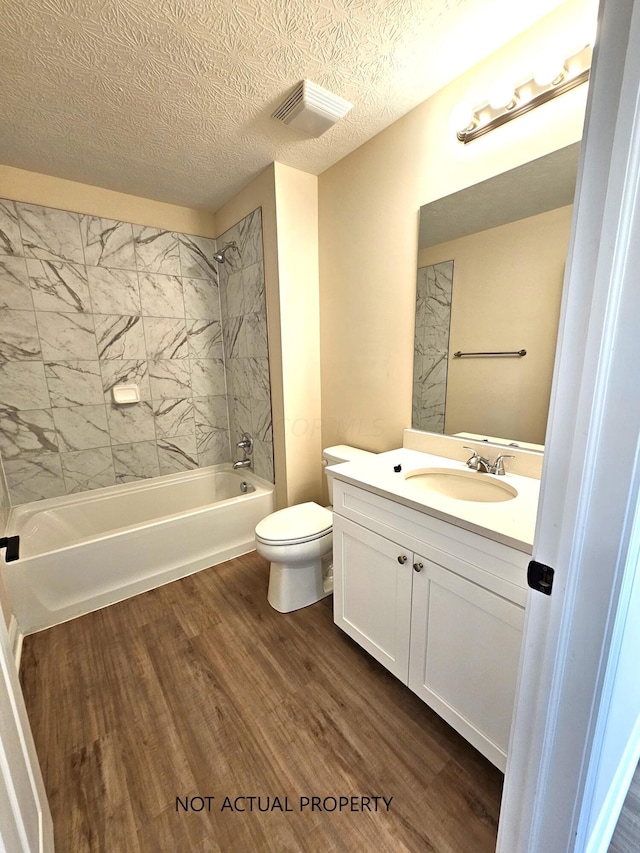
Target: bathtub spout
x: 242, y: 463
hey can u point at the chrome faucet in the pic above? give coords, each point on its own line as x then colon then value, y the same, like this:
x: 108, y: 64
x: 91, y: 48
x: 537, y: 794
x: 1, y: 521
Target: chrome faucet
x: 246, y: 445
x: 476, y: 461
x: 481, y: 464
x: 241, y: 463
x: 498, y: 465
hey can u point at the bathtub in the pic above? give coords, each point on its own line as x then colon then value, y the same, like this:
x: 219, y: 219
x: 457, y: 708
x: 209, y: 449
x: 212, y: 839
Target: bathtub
x: 82, y: 552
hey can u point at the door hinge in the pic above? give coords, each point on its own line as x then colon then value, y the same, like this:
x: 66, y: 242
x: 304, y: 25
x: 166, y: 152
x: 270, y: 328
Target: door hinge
x: 540, y: 577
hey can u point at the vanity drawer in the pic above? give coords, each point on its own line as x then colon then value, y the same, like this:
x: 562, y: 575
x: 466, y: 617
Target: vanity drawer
x: 491, y: 564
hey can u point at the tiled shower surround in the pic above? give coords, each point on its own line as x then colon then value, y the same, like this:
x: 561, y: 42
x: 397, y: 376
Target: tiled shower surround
x: 244, y: 328
x: 88, y: 303
x: 431, y: 347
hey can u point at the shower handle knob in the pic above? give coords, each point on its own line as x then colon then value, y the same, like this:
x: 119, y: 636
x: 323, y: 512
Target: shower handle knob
x: 402, y: 559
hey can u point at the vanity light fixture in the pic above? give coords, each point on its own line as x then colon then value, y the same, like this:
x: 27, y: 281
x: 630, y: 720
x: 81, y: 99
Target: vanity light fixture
x: 554, y: 76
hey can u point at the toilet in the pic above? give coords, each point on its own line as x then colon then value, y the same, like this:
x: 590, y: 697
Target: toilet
x: 298, y: 542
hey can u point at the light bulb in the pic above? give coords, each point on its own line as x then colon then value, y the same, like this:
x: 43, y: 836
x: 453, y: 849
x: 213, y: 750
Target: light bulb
x: 501, y: 94
x: 550, y: 69
x: 462, y: 117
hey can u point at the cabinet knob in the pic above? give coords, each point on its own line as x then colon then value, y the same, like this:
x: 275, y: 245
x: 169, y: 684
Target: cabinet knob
x: 402, y: 559
x: 418, y: 567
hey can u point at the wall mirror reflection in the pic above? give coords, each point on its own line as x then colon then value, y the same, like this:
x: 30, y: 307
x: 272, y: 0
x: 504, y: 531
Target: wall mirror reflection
x: 490, y: 268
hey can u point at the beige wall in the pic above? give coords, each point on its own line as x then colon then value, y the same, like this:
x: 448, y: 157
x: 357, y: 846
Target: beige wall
x: 297, y: 215
x: 33, y: 188
x: 368, y: 225
x: 289, y: 203
x: 507, y: 284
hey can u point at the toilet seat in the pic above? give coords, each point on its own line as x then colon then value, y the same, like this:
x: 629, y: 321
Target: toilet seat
x: 295, y: 525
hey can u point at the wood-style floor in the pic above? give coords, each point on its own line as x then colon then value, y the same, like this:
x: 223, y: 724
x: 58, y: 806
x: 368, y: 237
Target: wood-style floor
x: 626, y: 838
x: 199, y: 688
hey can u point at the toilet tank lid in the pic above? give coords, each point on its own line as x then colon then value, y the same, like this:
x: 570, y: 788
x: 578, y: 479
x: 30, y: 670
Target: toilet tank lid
x: 344, y: 453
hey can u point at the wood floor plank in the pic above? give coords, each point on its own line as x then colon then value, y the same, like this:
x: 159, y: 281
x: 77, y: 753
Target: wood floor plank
x: 626, y: 838
x: 348, y: 759
x: 99, y: 814
x: 191, y: 605
x: 200, y: 689
x: 463, y: 817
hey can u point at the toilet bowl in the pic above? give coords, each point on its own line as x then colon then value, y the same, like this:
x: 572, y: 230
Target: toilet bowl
x: 298, y: 542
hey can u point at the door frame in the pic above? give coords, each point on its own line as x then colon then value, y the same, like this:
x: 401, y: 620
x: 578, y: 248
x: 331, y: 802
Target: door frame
x: 23, y: 799
x: 588, y: 527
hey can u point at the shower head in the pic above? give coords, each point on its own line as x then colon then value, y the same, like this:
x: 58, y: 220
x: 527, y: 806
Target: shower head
x: 219, y: 256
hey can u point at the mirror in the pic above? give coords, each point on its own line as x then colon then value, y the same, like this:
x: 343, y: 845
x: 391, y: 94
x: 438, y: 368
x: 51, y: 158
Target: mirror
x: 490, y: 269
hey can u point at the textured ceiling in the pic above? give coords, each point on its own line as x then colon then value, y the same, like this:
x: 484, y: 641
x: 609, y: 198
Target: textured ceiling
x: 171, y: 99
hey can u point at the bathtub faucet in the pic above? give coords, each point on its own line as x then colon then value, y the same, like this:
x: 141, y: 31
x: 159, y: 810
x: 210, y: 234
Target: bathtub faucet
x: 246, y: 445
x: 241, y: 463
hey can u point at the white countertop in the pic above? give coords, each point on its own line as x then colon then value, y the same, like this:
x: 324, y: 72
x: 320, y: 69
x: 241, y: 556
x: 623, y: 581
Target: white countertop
x: 511, y: 522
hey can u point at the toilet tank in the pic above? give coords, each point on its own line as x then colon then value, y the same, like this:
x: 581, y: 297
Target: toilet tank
x: 341, y: 453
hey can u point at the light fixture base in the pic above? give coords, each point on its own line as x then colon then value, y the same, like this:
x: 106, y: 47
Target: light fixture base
x: 528, y: 96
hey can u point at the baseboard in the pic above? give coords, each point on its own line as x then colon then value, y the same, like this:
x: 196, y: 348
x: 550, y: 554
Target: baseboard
x: 610, y: 812
x: 15, y: 641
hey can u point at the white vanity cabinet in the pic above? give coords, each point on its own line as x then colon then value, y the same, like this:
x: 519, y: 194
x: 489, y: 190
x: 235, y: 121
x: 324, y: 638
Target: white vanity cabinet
x: 374, y: 604
x: 439, y: 606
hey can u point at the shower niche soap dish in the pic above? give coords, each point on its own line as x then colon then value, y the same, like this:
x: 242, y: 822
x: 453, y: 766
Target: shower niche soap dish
x: 125, y: 394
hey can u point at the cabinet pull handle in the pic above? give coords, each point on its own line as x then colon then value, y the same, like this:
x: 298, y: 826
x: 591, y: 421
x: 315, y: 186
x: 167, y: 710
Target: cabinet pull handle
x: 418, y: 567
x: 402, y: 559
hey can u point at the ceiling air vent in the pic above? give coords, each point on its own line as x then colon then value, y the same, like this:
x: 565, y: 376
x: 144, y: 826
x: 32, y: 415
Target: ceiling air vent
x: 311, y: 109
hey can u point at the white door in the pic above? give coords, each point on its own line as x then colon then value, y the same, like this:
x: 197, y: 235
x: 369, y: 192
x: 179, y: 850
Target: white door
x: 372, y: 593
x: 25, y: 820
x: 588, y: 523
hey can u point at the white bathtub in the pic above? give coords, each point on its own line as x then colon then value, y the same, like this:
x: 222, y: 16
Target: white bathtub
x: 86, y: 551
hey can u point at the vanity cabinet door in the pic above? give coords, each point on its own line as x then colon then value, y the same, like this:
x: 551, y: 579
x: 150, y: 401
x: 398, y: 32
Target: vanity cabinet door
x: 372, y: 593
x: 465, y: 651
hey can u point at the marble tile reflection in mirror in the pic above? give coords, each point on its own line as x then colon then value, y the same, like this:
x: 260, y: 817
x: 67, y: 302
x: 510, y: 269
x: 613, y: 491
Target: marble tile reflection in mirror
x: 433, y: 316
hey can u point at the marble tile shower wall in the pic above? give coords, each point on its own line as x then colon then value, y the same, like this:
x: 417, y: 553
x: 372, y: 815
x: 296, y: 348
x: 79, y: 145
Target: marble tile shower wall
x: 88, y: 303
x: 244, y: 328
x: 431, y: 348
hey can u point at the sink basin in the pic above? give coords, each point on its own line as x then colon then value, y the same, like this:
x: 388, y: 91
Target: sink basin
x: 461, y: 485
